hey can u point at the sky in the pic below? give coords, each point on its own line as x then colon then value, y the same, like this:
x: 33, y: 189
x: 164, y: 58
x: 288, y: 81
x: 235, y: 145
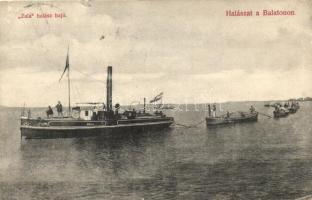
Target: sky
x: 189, y: 50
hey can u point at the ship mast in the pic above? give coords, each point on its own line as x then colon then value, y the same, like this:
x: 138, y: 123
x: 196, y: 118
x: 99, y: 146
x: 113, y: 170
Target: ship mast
x: 68, y: 80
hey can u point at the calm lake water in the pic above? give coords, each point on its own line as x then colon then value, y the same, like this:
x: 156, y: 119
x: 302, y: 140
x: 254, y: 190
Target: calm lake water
x: 270, y: 159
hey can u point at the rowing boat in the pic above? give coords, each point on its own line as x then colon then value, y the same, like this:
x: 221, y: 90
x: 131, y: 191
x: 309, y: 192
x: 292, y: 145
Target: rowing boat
x: 237, y: 117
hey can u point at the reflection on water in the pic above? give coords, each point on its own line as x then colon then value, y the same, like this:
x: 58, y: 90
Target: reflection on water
x: 270, y: 159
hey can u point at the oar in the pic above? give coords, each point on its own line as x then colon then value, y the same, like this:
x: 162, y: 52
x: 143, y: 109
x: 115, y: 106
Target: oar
x: 265, y: 115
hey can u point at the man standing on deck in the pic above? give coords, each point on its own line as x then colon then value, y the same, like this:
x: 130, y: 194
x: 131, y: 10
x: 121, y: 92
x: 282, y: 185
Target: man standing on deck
x: 214, y: 110
x: 59, y: 109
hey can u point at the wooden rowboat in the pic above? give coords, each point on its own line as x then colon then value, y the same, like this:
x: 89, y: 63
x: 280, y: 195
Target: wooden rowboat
x: 238, y: 117
x: 280, y: 113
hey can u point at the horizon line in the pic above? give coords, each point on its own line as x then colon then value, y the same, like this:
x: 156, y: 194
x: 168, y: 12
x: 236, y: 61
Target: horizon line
x: 178, y: 103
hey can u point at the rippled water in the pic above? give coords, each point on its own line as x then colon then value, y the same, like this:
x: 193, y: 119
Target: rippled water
x: 270, y: 159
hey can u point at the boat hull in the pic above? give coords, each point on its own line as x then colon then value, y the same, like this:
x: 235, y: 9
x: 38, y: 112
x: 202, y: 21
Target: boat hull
x: 277, y: 114
x: 293, y: 109
x: 37, y: 132
x: 214, y: 121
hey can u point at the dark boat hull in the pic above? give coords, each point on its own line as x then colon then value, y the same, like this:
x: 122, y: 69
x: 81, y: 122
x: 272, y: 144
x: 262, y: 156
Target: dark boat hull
x: 277, y: 114
x: 293, y: 109
x: 215, y: 121
x: 33, y: 132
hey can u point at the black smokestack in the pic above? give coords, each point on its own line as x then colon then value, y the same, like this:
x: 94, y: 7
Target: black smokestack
x: 109, y: 88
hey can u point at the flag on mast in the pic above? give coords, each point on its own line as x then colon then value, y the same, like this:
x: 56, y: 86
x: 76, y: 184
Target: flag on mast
x: 66, y: 65
x: 157, y: 98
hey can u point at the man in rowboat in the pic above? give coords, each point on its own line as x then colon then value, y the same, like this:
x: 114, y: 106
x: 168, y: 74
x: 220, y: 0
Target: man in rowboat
x: 252, y: 109
x: 227, y: 114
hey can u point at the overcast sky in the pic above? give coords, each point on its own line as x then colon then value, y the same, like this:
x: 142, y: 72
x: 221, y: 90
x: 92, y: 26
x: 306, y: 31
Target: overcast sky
x: 188, y: 49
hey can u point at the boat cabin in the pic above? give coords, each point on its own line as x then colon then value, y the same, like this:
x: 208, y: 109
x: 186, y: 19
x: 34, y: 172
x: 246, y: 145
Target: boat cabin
x: 86, y: 112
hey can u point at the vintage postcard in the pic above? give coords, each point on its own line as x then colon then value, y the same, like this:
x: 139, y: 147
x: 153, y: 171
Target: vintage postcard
x: 154, y: 99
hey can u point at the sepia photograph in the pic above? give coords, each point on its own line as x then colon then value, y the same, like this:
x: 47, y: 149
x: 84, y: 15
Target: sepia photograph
x: 155, y: 99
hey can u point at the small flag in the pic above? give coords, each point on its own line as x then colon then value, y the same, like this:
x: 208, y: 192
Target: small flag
x: 66, y: 66
x: 157, y: 98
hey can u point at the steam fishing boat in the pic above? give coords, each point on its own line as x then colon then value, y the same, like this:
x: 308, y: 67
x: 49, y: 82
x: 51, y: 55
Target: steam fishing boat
x: 93, y: 119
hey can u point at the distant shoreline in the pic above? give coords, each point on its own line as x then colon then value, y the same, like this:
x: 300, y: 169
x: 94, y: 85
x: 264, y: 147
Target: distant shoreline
x: 265, y: 101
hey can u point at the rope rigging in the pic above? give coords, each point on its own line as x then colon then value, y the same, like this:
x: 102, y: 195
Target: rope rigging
x: 89, y: 76
x: 190, y: 126
x: 265, y: 115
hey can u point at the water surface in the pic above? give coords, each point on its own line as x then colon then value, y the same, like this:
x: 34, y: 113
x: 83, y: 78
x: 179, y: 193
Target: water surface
x: 270, y: 159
